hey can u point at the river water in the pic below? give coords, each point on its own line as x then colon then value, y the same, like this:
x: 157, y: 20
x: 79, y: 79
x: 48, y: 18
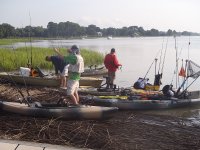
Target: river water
x: 137, y: 54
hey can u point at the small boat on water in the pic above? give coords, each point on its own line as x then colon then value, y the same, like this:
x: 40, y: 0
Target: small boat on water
x: 48, y: 81
x: 109, y: 37
x: 58, y: 111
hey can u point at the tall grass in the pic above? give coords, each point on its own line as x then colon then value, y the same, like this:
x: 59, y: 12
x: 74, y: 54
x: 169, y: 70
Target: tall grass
x: 12, y: 59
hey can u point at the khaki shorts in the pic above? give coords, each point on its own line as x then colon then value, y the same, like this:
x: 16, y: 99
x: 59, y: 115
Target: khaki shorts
x: 65, y: 71
x: 72, y: 86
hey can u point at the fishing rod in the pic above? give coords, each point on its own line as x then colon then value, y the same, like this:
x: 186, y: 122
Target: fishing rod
x: 160, y: 55
x: 24, y: 98
x: 158, y: 76
x: 30, y: 41
x: 18, y: 89
x: 188, y: 52
x: 189, y: 85
x: 164, y: 56
x: 25, y: 84
x: 185, y: 79
x: 150, y: 67
x: 21, y: 72
x: 176, y: 71
x: 155, y: 64
x: 28, y: 62
x: 155, y: 59
x: 186, y: 87
x: 175, y: 66
x: 189, y: 48
x: 193, y: 75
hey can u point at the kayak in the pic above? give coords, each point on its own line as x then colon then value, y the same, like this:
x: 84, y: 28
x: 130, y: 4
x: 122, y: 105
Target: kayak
x: 145, y: 104
x: 48, y: 80
x: 94, y: 72
x: 58, y: 111
x: 138, y: 103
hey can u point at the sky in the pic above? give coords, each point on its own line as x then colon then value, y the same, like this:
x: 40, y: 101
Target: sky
x: 179, y: 15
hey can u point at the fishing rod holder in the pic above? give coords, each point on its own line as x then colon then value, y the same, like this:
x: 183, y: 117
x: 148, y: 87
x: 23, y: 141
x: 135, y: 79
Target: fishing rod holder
x: 26, y: 100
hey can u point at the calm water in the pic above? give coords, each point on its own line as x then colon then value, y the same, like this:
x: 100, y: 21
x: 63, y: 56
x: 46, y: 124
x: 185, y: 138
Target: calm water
x: 137, y: 54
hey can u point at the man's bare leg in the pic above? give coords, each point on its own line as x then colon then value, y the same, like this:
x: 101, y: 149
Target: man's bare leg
x: 63, y: 81
x: 76, y: 95
x: 73, y: 99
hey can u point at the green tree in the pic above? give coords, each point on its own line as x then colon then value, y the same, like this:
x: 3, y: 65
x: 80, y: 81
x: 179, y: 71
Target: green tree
x: 169, y: 32
x: 92, y: 30
x: 7, y: 30
x: 52, y: 29
x: 38, y: 31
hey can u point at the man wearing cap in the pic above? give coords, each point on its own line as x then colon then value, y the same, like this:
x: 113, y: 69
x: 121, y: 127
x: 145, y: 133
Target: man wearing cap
x: 112, y: 64
x: 76, y: 67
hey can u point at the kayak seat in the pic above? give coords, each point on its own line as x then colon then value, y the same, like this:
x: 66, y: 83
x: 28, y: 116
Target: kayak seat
x: 63, y: 102
x: 36, y: 104
x: 41, y: 74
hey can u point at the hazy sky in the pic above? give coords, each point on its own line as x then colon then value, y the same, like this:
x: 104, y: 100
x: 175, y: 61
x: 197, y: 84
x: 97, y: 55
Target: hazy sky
x: 180, y: 15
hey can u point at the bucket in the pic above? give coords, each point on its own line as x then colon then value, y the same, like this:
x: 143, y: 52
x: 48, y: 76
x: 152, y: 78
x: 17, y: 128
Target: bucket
x: 25, y: 71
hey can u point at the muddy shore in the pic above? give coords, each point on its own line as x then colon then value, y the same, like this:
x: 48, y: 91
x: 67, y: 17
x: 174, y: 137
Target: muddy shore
x: 127, y: 130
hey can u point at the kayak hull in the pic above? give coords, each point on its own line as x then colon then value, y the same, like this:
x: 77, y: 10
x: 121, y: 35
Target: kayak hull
x: 146, y: 104
x: 60, y: 112
x: 48, y: 81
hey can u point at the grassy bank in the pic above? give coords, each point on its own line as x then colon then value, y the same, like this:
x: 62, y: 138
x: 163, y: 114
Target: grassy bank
x: 9, y: 41
x: 13, y: 59
x: 14, y: 40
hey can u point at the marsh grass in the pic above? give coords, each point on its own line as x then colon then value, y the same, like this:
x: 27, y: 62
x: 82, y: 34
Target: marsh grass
x: 12, y: 59
x: 9, y: 41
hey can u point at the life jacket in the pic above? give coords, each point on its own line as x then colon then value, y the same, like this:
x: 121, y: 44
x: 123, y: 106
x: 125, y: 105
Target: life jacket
x: 34, y: 73
x: 78, y: 67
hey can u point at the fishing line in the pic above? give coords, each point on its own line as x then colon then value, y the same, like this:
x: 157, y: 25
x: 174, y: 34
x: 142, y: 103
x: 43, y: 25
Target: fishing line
x: 152, y: 63
x: 160, y: 56
x: 30, y: 40
x: 164, y: 55
x: 21, y: 74
x: 16, y: 86
x: 188, y: 54
x: 189, y: 48
x: 27, y: 55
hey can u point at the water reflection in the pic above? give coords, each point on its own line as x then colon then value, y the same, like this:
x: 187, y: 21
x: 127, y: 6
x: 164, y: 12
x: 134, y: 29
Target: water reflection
x: 191, y: 113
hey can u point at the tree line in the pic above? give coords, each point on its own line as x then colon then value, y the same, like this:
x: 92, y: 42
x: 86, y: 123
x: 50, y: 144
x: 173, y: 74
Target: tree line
x: 73, y: 30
